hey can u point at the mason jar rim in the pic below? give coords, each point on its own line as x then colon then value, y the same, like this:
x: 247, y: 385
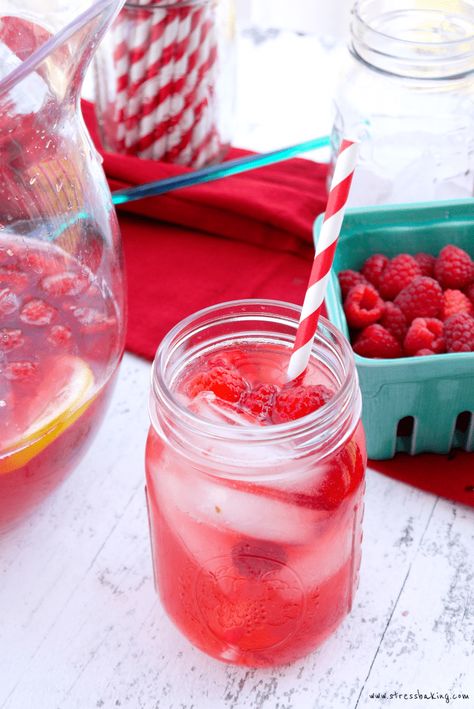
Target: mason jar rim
x: 392, y: 53
x: 357, y: 13
x: 163, y: 4
x: 301, y: 427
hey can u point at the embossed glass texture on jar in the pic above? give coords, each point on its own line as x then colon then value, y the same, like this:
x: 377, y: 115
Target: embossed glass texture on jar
x: 407, y: 92
x: 252, y: 562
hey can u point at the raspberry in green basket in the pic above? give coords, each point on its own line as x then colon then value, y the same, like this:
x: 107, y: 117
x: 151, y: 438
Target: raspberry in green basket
x: 373, y: 269
x: 424, y: 334
x: 363, y: 306
x: 377, y: 342
x: 455, y: 301
x: 454, y: 267
x: 422, y: 298
x: 398, y: 273
x: 459, y: 333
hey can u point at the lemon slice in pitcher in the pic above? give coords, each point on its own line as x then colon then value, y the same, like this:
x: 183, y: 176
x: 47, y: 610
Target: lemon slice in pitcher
x: 64, y: 395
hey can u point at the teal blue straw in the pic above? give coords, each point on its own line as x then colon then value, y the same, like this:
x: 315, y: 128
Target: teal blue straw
x: 216, y: 172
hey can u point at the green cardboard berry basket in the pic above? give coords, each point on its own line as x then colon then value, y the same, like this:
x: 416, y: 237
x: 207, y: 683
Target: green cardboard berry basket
x: 432, y: 396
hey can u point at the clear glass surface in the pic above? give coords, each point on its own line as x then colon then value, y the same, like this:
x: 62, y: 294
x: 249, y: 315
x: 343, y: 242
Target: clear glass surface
x: 61, y: 278
x: 407, y: 92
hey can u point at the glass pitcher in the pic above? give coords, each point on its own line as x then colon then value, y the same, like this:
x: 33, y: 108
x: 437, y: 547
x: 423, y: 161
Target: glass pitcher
x: 61, y: 274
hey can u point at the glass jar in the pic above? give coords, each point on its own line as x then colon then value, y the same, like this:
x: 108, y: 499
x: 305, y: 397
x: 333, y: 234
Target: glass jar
x: 255, y: 529
x: 61, y: 271
x: 407, y: 92
x: 164, y: 81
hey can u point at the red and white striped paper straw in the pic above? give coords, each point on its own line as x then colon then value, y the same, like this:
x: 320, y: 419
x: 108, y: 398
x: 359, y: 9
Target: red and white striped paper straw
x: 323, y: 259
x: 166, y: 79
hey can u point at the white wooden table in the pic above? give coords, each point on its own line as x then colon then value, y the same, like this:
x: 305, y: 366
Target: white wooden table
x: 81, y: 627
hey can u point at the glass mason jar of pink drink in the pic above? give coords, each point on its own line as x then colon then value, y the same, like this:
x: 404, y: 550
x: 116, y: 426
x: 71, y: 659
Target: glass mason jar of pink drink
x: 254, y: 484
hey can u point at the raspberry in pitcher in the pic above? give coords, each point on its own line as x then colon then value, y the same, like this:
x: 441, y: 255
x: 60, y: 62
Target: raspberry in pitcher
x: 60, y: 340
x: 254, y: 483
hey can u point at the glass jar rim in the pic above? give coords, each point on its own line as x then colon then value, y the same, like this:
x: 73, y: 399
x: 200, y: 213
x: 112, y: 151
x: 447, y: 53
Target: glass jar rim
x: 364, y: 21
x: 394, y: 51
x: 301, y: 427
x: 163, y: 4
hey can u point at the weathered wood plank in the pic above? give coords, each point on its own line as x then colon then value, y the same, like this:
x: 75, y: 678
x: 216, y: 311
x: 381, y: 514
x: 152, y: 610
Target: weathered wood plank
x: 429, y: 643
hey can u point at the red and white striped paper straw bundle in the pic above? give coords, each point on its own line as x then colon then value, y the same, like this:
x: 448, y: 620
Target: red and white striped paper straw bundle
x: 166, y: 59
x: 325, y: 249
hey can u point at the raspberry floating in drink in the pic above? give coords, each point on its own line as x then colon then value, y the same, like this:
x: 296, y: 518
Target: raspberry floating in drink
x: 53, y: 373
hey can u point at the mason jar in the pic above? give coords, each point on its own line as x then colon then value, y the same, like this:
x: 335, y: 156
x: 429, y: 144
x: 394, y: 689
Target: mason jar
x: 407, y: 93
x: 255, y: 529
x: 164, y: 80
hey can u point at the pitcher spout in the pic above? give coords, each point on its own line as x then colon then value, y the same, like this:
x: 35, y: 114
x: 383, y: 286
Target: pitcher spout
x: 44, y: 55
x: 51, y: 183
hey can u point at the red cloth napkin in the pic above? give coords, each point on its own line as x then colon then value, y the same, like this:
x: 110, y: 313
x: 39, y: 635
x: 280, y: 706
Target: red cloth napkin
x: 246, y: 236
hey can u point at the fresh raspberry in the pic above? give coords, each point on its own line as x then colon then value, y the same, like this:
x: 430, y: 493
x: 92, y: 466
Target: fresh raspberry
x: 454, y: 267
x: 33, y: 261
x: 376, y: 341
x: 93, y: 320
x: 8, y: 302
x: 294, y: 402
x: 10, y: 339
x: 66, y: 283
x: 455, y: 301
x: 423, y: 353
x: 424, y: 333
x: 345, y: 473
x: 459, y: 333
x: 333, y: 488
x: 398, y: 273
x: 37, y: 312
x: 394, y: 321
x: 20, y: 371
x: 363, y: 306
x: 14, y: 279
x: 259, y: 401
x: 426, y: 262
x: 373, y: 268
x: 348, y: 279
x: 226, y: 383
x: 59, y: 335
x: 423, y: 298
x: 469, y: 291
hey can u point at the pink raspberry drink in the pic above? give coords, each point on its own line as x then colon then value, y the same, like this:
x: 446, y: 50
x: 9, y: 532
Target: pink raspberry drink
x: 254, y: 484
x: 61, y: 281
x: 60, y: 342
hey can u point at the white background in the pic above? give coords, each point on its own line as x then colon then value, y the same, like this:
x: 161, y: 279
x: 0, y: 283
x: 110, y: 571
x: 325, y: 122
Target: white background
x: 320, y: 17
